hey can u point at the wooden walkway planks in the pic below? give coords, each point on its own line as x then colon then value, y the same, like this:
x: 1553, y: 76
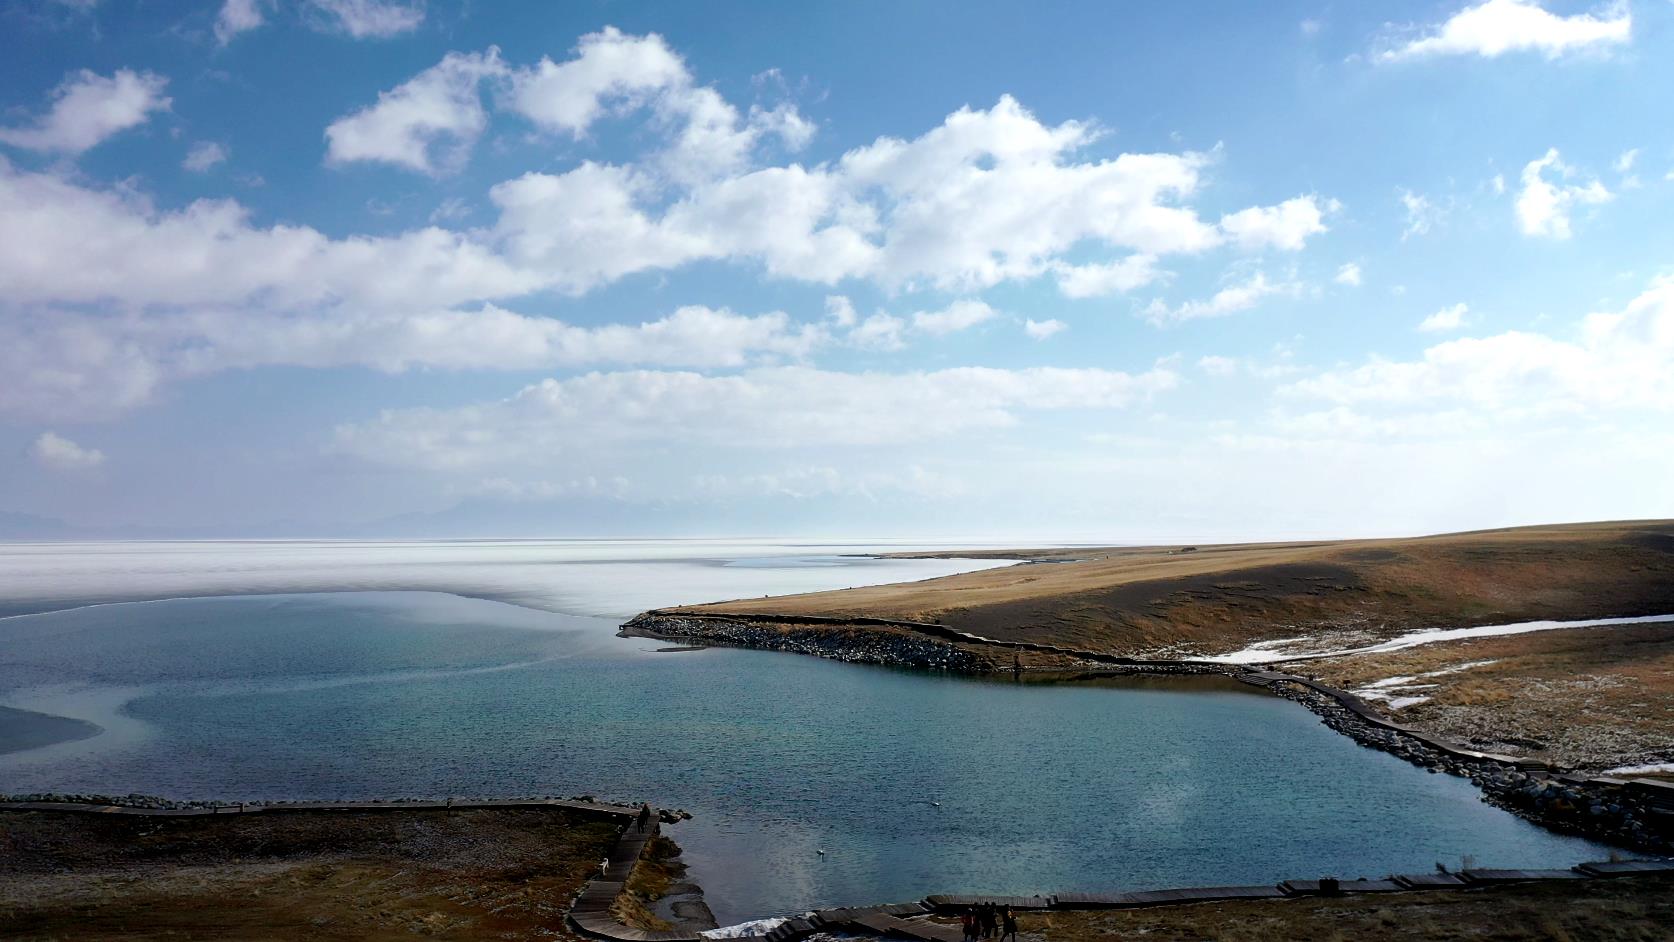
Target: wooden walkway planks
x: 1430, y: 881
x: 1625, y: 868
x: 1493, y: 877
x: 1201, y: 894
x: 1311, y: 887
x: 920, y: 929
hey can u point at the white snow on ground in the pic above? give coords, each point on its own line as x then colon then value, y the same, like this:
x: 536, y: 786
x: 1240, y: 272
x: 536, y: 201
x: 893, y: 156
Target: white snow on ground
x: 1641, y: 769
x: 1398, y: 692
x: 1263, y: 652
x: 758, y: 927
x: 1398, y: 703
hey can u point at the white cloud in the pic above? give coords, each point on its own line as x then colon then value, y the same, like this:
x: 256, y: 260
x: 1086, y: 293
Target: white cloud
x: 1543, y: 207
x: 114, y: 286
x: 955, y: 317
x: 840, y: 310
x: 1118, y: 277
x: 1421, y: 214
x: 1229, y: 300
x: 1285, y: 226
x: 1497, y: 184
x: 60, y: 454
x: 368, y: 19
x: 1619, y: 360
x: 783, y: 407
x: 880, y: 331
x: 1348, y: 274
x: 1625, y: 162
x: 611, y: 69
x: 1040, y: 330
x: 1218, y: 365
x: 238, y: 16
x: 427, y: 123
x: 88, y: 108
x: 1500, y: 26
x: 203, y: 155
x: 1451, y: 317
x: 61, y: 363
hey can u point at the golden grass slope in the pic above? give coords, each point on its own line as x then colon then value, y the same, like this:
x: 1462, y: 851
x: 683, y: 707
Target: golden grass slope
x: 1216, y: 599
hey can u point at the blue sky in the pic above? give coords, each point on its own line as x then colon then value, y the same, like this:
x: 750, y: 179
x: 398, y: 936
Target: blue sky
x: 1090, y: 271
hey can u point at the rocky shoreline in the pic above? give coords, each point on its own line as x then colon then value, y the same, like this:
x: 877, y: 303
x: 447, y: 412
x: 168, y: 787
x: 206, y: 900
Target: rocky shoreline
x: 856, y: 646
x: 141, y: 802
x: 1608, y: 810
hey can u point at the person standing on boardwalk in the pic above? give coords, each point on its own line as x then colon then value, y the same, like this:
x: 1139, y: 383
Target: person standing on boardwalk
x: 968, y: 922
x: 1008, y: 926
x: 644, y: 816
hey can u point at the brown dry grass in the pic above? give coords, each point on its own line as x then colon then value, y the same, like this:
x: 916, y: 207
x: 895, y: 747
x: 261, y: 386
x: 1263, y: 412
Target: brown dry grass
x: 1587, y: 698
x: 324, y: 875
x: 1160, y: 601
x: 1627, y: 910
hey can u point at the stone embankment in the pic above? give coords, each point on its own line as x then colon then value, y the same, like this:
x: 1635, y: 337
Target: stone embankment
x: 1633, y: 813
x: 855, y: 645
x: 920, y: 645
x: 135, y: 803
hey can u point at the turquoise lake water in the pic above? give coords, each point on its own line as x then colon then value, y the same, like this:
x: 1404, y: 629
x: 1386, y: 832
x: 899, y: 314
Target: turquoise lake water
x: 1041, y: 787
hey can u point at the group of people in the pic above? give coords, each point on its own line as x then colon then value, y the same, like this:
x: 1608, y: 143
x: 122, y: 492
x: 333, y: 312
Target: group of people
x: 986, y: 920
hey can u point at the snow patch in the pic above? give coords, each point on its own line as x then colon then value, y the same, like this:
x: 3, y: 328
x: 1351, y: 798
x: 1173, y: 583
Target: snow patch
x: 743, y: 929
x: 1263, y: 652
x: 1667, y: 767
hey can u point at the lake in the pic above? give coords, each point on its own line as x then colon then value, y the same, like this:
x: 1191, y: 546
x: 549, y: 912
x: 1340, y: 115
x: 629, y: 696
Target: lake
x: 910, y: 783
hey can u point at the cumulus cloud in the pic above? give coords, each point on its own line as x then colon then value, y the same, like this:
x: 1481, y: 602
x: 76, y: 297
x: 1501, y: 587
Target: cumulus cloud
x: 1497, y: 27
x: 880, y: 331
x: 1286, y: 226
x: 955, y: 317
x: 204, y: 155
x: 1231, y: 299
x: 238, y: 16
x: 114, y: 284
x: 1421, y: 214
x: 367, y: 19
x: 1216, y: 365
x: 1617, y: 360
x: 1040, y: 330
x: 614, y: 73
x: 1543, y: 207
x: 1348, y: 274
x: 53, y: 451
x: 1451, y: 317
x: 1099, y: 280
x: 88, y: 109
x: 63, y: 363
x: 780, y: 407
x: 427, y: 123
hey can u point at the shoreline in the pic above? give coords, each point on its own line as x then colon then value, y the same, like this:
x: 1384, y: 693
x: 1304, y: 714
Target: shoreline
x: 1630, y: 812
x: 640, y: 893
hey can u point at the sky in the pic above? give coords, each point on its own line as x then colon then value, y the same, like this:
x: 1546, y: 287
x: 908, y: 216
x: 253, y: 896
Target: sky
x: 1062, y: 271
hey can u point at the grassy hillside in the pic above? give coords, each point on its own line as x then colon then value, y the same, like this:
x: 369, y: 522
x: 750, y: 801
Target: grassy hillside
x: 1215, y: 599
